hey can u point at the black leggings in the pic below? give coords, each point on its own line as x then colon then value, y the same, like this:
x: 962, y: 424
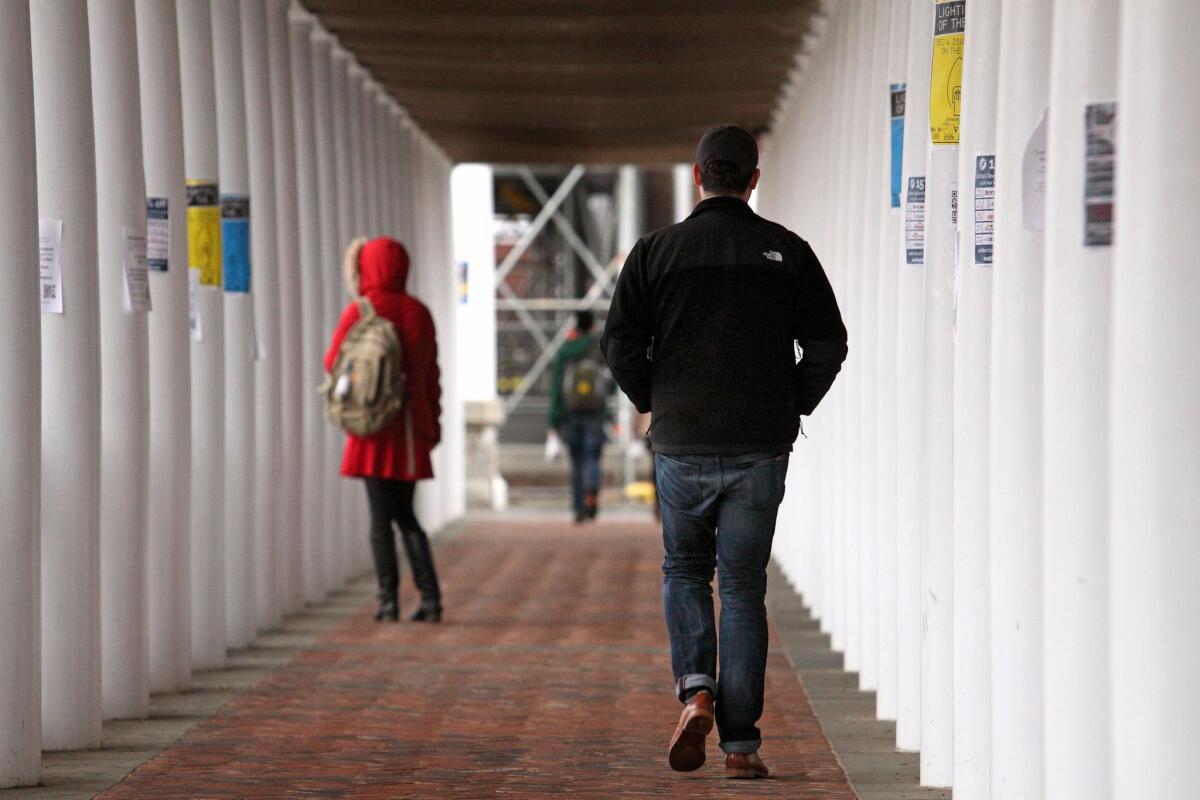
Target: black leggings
x: 392, y: 501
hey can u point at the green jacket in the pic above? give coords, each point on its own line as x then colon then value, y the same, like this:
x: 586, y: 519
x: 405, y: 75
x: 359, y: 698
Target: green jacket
x: 572, y: 350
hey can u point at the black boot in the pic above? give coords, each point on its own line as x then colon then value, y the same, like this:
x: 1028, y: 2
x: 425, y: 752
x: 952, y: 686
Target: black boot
x: 420, y: 559
x: 428, y: 612
x: 387, y: 570
x: 389, y: 607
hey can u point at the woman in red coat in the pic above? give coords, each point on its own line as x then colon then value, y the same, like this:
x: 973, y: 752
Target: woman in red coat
x: 393, y: 460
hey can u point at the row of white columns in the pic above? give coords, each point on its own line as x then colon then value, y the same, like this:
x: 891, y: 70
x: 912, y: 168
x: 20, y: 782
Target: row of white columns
x: 995, y: 515
x: 168, y: 482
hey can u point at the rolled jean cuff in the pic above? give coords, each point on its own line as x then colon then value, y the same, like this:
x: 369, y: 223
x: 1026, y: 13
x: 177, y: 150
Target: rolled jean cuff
x: 746, y: 746
x: 688, y: 682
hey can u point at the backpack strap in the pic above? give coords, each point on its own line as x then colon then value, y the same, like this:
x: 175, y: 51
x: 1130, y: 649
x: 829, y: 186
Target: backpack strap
x: 366, y: 311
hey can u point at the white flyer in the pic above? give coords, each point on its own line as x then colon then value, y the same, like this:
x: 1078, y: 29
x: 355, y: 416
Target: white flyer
x: 194, y: 320
x: 137, y: 282
x: 1033, y: 179
x: 50, y: 264
x: 158, y: 234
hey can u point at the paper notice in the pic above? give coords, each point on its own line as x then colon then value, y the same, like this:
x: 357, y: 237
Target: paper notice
x: 137, y: 281
x: 1033, y: 179
x: 985, y: 208
x: 914, y: 222
x: 897, y: 93
x: 1100, y: 165
x: 235, y: 242
x: 204, y: 231
x: 194, y: 320
x: 50, y: 264
x: 158, y: 234
x: 945, y: 77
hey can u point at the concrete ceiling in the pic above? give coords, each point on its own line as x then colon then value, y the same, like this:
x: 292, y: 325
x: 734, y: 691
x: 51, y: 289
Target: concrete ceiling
x: 557, y: 81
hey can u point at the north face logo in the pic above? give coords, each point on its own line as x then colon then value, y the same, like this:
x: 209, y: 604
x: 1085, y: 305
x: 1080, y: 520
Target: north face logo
x: 773, y: 255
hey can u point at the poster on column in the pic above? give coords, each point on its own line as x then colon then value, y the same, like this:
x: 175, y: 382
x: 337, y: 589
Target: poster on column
x: 194, y: 318
x: 914, y: 222
x: 137, y: 280
x: 985, y: 208
x: 1034, y: 172
x: 158, y: 234
x: 235, y: 242
x: 897, y: 92
x: 204, y: 231
x: 1100, y: 162
x: 50, y: 265
x: 945, y: 79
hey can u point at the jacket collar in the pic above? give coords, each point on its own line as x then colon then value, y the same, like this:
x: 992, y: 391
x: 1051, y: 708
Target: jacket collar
x: 722, y: 203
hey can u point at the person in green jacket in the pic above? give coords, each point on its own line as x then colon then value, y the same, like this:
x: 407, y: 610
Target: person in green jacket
x: 579, y: 393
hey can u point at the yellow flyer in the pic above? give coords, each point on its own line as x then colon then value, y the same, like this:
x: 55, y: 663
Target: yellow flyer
x: 945, y: 80
x: 204, y: 231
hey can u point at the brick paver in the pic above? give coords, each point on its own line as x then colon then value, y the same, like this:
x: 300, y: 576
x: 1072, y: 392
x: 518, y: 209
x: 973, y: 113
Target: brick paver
x: 549, y: 677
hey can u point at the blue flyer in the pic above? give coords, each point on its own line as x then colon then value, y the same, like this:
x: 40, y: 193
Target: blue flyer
x: 235, y: 242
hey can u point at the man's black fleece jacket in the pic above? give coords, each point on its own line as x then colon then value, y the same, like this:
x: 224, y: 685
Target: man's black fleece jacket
x: 703, y: 327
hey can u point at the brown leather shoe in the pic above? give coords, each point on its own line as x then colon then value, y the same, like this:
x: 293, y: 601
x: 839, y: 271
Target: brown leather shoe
x: 745, y: 765
x: 687, y: 745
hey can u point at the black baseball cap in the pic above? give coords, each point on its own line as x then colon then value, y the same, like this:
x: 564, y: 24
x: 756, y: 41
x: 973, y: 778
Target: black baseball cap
x: 728, y: 143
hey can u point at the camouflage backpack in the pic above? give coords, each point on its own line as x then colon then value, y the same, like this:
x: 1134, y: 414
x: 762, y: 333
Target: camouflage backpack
x: 366, y: 388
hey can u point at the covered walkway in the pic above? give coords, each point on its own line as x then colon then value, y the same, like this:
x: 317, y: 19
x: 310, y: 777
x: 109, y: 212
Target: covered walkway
x: 549, y: 677
x: 994, y: 519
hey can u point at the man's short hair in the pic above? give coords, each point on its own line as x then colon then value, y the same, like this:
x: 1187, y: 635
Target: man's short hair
x: 584, y: 320
x: 723, y: 177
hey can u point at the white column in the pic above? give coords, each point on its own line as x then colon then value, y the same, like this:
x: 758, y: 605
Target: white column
x: 849, y: 263
x: 208, y: 334
x: 360, y: 542
x: 329, y: 284
x: 234, y: 179
x: 402, y: 207
x: 1155, y: 419
x: 909, y: 387
x: 168, y: 595
x: 1016, y: 411
x: 312, y: 315
x: 890, y: 260
x: 830, y: 545
x: 972, y: 357
x: 70, y: 508
x: 937, y: 408
x: 269, y: 492
x: 1076, y: 374
x: 371, y: 152
x: 683, y: 191
x: 291, y: 384
x: 124, y: 358
x: 873, y: 193
x: 474, y: 245
x: 387, y: 155
x: 20, y: 412
x: 348, y: 534
x: 357, y: 180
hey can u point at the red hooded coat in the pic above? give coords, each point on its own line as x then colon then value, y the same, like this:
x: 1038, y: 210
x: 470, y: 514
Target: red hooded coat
x: 378, y: 270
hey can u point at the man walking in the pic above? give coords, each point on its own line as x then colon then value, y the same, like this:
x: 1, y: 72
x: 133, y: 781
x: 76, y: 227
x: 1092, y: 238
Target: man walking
x: 703, y: 331
x: 579, y: 393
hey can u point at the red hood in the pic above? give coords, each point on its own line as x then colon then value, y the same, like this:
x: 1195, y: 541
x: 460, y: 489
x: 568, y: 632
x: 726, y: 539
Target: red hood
x: 382, y: 266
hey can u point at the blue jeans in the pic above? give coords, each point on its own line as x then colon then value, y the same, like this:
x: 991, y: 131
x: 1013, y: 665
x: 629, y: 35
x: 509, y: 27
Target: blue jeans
x: 718, y: 513
x: 584, y: 437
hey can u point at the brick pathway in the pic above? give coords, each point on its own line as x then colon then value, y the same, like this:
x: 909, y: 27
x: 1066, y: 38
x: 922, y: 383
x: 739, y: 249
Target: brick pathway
x: 549, y: 677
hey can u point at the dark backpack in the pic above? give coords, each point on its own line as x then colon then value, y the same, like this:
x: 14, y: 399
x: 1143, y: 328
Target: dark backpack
x: 586, y: 382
